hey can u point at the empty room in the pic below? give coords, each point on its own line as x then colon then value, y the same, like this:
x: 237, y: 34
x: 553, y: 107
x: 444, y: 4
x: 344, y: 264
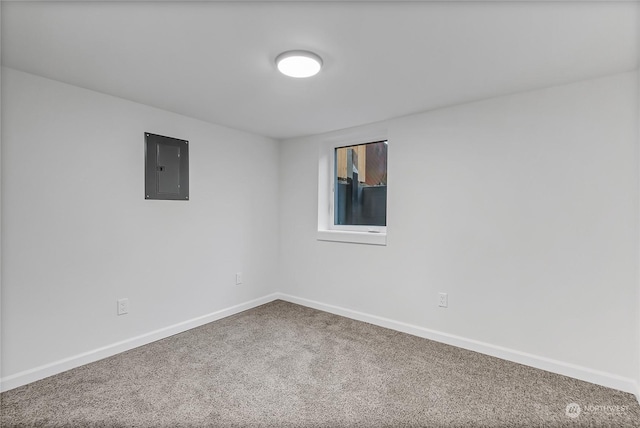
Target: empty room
x: 320, y: 214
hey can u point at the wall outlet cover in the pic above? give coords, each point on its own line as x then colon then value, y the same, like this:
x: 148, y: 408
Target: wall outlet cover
x: 443, y: 300
x: 123, y: 306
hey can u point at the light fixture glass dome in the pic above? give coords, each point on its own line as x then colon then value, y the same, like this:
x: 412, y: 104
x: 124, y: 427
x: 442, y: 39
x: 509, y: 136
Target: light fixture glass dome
x: 299, y: 63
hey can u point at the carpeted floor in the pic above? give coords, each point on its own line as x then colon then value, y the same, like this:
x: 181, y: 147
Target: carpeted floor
x: 284, y: 365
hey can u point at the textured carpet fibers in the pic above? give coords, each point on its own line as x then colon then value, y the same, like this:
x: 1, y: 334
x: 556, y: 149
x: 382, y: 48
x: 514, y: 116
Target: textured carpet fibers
x: 284, y: 365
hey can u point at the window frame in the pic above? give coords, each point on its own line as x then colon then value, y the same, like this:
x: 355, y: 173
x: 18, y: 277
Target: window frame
x: 327, y: 229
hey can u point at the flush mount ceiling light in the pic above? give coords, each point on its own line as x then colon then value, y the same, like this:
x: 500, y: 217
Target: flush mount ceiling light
x: 298, y: 63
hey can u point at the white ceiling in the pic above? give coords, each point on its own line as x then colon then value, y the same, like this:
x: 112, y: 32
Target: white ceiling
x: 214, y: 60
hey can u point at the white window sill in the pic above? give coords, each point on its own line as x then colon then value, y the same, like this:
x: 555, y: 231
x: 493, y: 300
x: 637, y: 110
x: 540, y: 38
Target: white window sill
x: 352, y: 237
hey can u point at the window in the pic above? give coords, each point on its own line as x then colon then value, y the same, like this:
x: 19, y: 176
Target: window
x: 352, y: 188
x: 360, y: 186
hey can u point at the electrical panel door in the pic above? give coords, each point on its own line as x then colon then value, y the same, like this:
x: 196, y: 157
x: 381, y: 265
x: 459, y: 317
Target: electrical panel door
x: 166, y: 168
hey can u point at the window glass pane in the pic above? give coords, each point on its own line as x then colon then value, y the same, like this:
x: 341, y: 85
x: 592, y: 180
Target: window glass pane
x: 361, y: 185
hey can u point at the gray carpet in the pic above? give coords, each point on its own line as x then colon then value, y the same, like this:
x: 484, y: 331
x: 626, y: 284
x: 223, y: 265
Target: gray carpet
x: 284, y: 365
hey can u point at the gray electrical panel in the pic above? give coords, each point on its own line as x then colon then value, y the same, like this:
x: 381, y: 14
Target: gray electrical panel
x: 166, y: 168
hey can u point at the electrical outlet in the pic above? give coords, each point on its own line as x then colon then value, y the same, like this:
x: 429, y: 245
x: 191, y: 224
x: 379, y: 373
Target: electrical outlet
x: 123, y: 306
x: 238, y: 278
x: 443, y: 300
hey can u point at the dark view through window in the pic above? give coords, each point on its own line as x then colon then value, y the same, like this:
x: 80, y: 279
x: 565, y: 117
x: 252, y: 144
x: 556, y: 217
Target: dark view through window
x: 361, y: 185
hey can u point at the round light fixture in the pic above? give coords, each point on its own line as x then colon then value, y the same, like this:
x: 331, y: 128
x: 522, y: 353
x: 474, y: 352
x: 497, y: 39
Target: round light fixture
x: 299, y: 63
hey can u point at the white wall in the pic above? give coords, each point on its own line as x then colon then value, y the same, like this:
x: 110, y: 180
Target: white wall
x: 638, y: 140
x: 78, y: 233
x: 523, y: 208
x: 0, y: 198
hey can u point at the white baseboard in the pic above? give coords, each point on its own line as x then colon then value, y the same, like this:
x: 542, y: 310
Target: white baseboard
x: 578, y: 372
x: 41, y: 372
x: 566, y: 369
